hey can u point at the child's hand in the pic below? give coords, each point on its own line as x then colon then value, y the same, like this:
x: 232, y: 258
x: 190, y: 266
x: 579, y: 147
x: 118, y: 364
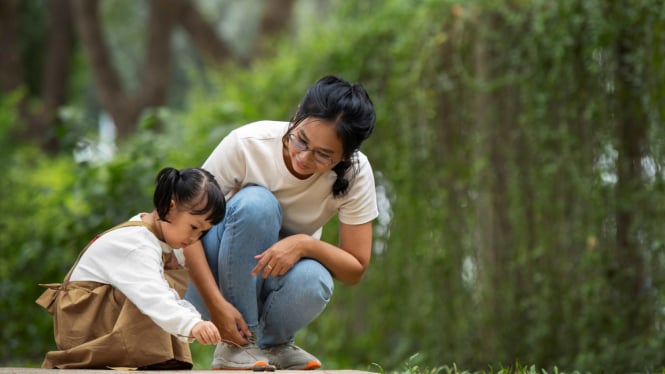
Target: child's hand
x: 206, y: 333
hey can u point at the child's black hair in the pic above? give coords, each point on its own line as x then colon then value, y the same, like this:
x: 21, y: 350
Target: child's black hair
x: 189, y: 188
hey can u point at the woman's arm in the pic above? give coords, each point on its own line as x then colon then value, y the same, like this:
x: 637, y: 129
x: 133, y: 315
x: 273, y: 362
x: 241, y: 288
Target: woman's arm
x: 347, y: 263
x: 223, y: 314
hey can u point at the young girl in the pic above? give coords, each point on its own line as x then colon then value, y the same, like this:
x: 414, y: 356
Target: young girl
x: 141, y: 322
x: 271, y: 274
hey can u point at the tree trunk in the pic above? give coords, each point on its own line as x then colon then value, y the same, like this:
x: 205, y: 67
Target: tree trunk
x: 201, y: 33
x: 157, y: 67
x: 109, y: 88
x: 630, y: 278
x: 275, y: 20
x: 39, y: 121
x: 55, y: 76
x: 125, y: 109
x: 11, y: 72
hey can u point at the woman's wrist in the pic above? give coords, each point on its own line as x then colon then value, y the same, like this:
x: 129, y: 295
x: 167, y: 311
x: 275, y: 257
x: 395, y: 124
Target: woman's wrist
x: 218, y: 305
x: 305, y: 245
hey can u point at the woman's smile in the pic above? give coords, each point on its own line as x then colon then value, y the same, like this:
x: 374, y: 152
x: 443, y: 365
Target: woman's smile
x: 301, y: 165
x: 313, y: 147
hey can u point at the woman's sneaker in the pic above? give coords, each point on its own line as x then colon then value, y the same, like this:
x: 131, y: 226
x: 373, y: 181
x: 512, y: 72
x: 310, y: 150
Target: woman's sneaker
x: 291, y: 357
x: 229, y: 356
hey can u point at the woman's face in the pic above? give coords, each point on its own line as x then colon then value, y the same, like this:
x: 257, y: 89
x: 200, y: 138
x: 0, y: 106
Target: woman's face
x: 313, y: 147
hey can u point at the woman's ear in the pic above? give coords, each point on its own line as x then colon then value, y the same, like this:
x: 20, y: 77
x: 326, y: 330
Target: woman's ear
x: 172, y: 205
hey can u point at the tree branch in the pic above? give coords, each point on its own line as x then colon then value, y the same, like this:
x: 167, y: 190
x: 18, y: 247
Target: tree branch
x: 89, y: 27
x: 201, y: 33
x: 11, y: 71
x: 275, y: 20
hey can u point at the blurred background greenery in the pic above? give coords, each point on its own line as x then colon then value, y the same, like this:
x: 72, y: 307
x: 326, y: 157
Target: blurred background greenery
x: 519, y: 156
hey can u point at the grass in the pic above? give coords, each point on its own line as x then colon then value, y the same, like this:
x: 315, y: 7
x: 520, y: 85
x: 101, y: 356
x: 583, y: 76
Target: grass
x: 411, y: 367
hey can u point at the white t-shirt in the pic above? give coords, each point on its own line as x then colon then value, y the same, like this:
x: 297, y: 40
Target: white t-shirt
x: 252, y: 154
x: 130, y: 259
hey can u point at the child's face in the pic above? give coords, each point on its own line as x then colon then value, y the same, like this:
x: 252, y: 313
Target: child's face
x: 184, y: 228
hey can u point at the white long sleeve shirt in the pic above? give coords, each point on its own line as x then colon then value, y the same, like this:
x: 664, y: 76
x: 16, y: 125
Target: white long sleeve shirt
x: 130, y: 259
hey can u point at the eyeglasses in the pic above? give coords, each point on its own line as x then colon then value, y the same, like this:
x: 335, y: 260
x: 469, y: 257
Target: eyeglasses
x: 318, y: 156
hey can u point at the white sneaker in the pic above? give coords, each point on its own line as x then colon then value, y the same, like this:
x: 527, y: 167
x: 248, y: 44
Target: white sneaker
x: 291, y: 357
x: 231, y: 356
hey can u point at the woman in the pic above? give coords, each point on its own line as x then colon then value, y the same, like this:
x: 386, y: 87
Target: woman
x: 274, y: 274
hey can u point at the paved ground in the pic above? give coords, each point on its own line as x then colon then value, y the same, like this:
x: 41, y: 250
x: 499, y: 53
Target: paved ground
x: 10, y: 370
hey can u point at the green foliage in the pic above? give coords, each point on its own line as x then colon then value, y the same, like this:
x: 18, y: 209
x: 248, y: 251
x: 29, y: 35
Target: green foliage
x: 35, y: 242
x: 501, y: 145
x: 411, y: 366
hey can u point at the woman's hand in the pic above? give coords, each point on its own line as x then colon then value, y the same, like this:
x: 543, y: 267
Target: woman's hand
x: 346, y: 262
x: 225, y: 316
x: 206, y: 333
x: 281, y: 256
x: 232, y: 326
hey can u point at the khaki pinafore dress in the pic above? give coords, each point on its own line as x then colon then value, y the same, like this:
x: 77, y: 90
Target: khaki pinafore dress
x: 96, y: 327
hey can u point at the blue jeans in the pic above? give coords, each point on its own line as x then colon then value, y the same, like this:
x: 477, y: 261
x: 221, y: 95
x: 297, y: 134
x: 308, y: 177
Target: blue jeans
x: 274, y: 308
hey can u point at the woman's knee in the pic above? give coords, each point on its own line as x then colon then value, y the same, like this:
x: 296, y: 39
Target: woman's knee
x: 314, y: 280
x: 257, y: 204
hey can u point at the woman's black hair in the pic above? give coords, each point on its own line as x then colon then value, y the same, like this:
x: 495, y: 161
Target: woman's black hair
x: 190, y: 188
x: 349, y: 107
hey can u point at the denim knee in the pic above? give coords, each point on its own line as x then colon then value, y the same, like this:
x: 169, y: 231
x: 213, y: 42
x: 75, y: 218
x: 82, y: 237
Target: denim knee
x: 315, y: 282
x: 257, y: 205
x: 293, y: 301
